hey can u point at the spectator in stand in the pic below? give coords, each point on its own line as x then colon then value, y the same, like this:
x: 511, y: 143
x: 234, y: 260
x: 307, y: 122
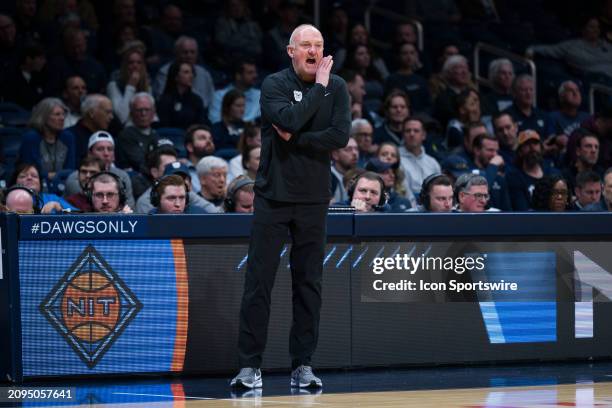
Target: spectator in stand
x: 106, y: 194
x: 169, y: 195
x: 76, y: 61
x: 226, y: 132
x: 436, y: 194
x: 587, y: 189
x: 250, y: 137
x: 28, y: 174
x: 437, y: 82
x: 240, y: 196
x: 133, y: 141
x: 198, y: 144
x: 245, y: 77
x: 467, y: 110
x: 394, y: 187
x: 522, y: 110
x: 396, y: 109
x: 343, y: 160
x: 589, y: 53
x: 362, y: 132
x: 47, y: 144
x: 179, y: 106
x: 102, y: 146
x: 465, y: 150
x: 587, y: 155
x: 276, y: 39
x: 551, y: 194
x: 413, y: 158
x: 186, y: 50
x: 367, y: 193
x: 376, y: 66
x: 599, y: 125
x: 356, y: 89
x: 193, y: 204
x: 97, y: 114
x: 359, y: 59
x: 213, y: 175
x: 250, y: 161
x: 405, y: 79
x: 133, y: 78
x: 236, y: 34
x: 562, y: 123
x: 89, y: 166
x: 472, y: 193
x: 491, y: 165
x: 21, y: 200
x: 501, y: 76
x: 73, y: 95
x: 389, y: 153
x: 164, y: 35
x: 506, y: 132
x: 26, y: 83
x: 605, y: 204
x: 530, y: 167
x: 456, y: 77
x: 160, y: 155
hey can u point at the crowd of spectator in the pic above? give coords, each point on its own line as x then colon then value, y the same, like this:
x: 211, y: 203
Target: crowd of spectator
x: 153, y: 107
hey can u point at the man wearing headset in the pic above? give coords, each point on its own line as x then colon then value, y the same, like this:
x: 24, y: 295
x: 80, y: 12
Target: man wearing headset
x: 436, y: 194
x: 107, y: 194
x: 21, y: 200
x: 240, y: 196
x: 367, y: 193
x: 171, y: 193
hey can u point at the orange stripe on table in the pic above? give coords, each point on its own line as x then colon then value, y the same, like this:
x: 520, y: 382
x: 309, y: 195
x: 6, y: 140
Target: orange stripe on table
x: 179, y: 395
x: 182, y: 304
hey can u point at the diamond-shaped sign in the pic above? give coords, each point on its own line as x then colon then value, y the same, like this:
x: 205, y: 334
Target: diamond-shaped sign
x: 90, y: 306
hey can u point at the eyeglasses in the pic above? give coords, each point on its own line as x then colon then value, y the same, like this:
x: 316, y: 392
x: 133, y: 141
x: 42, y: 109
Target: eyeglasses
x: 478, y: 196
x: 562, y: 193
x: 101, y: 196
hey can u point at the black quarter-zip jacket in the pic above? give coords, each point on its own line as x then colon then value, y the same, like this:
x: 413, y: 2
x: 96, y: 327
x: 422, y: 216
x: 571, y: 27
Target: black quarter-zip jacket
x: 319, y: 120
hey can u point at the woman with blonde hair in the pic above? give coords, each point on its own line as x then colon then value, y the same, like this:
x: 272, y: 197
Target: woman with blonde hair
x: 133, y: 78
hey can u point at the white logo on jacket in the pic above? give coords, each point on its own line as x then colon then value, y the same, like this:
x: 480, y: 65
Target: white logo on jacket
x: 297, y: 95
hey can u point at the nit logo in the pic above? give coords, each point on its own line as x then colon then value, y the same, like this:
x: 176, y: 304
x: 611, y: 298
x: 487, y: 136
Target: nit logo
x: 90, y: 306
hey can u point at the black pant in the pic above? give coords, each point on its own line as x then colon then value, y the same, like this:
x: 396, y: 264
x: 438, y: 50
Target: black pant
x: 307, y: 226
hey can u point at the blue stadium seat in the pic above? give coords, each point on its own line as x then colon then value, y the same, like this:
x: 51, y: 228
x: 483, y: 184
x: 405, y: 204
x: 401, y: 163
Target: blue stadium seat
x: 12, y: 114
x: 177, y: 136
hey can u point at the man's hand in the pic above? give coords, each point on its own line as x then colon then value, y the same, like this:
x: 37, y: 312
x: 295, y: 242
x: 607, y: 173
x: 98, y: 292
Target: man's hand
x: 51, y: 207
x: 360, y: 205
x: 497, y: 160
x: 323, y: 70
x: 282, y: 133
x: 126, y: 210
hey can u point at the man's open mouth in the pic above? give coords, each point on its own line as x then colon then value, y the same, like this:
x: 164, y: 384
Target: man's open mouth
x: 311, y: 61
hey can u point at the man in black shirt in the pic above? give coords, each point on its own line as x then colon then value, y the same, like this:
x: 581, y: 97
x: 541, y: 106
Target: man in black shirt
x: 305, y: 115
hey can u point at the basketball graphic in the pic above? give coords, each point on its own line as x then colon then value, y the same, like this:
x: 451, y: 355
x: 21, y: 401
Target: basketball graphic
x: 90, y: 306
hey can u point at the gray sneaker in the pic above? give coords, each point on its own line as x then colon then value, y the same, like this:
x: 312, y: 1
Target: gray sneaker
x: 248, y: 377
x: 303, y: 377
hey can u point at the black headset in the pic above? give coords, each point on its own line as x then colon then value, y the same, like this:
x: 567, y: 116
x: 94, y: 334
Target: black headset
x: 424, y: 198
x: 120, y: 185
x: 155, y: 197
x: 235, y: 186
x: 37, y: 203
x: 384, y: 196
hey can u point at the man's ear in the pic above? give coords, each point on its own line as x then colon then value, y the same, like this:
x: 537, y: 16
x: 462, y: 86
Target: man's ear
x: 290, y: 51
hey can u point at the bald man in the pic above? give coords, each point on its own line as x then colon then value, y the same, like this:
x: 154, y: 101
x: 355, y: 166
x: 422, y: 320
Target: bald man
x: 305, y: 115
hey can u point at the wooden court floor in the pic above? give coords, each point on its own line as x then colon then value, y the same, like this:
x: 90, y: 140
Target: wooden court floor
x: 565, y: 395
x: 525, y: 386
